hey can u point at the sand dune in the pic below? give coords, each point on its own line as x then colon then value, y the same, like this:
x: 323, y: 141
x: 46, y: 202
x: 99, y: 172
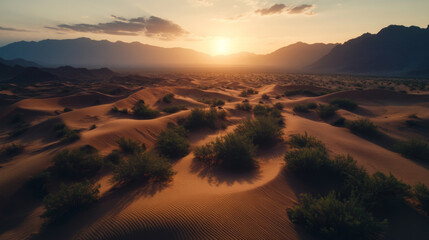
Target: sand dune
x: 198, y: 203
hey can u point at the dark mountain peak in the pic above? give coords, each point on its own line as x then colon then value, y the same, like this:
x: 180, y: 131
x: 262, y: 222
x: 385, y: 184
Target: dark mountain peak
x: 394, y: 50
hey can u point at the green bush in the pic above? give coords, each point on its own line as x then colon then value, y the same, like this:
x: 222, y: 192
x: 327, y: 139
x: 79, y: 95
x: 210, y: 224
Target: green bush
x: 174, y: 109
x: 141, y: 110
x: 265, y: 96
x: 261, y: 131
x: 130, y: 146
x: 217, y: 102
x: 69, y: 199
x: 414, y: 148
x: 326, y: 111
x: 344, y: 103
x: 305, y: 141
x: 333, y: 218
x: 113, y: 158
x: 279, y: 106
x: 38, y: 184
x: 11, y: 150
x: 303, y: 108
x: 168, y: 98
x: 261, y: 110
x: 92, y: 127
x: 362, y: 126
x: 308, y: 162
x: 232, y: 152
x: 67, y: 109
x: 79, y: 163
x: 421, y: 193
x: 65, y: 133
x: 248, y: 92
x: 377, y: 192
x: 173, y: 142
x: 143, y: 166
x: 303, y: 92
x: 244, y: 106
x: 200, y: 118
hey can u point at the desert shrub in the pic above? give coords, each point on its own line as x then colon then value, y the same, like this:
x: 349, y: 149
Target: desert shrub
x: 65, y: 133
x: 308, y: 162
x: 279, y: 106
x: 303, y: 92
x: 67, y: 109
x: 414, y: 148
x: 92, y: 127
x: 261, y: 110
x: 265, y: 96
x: 217, y: 102
x: 244, y: 106
x: 305, y: 141
x: 69, y: 199
x: 311, y: 105
x: 326, y: 111
x: 262, y: 131
x: 248, y: 92
x: 421, y: 193
x: 141, y: 110
x: 168, y: 98
x: 79, y: 163
x: 38, y: 184
x: 234, y: 152
x: 173, y: 142
x: 114, y: 109
x: 130, y: 146
x: 174, y: 109
x: 200, y: 118
x: 143, y: 166
x: 11, y: 150
x: 344, y: 103
x: 339, y: 122
x: 362, y: 126
x: 205, y: 154
x: 303, y: 108
x: 333, y: 218
x: 113, y: 157
x: 18, y: 130
x: 377, y: 192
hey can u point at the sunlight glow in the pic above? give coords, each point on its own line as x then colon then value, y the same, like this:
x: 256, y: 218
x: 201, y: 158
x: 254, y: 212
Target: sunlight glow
x: 221, y: 46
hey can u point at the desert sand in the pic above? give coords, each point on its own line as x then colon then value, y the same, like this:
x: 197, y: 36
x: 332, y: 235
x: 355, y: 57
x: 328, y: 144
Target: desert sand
x: 200, y: 204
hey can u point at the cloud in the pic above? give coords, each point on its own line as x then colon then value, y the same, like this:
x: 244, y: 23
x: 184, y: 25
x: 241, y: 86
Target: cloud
x: 282, y: 8
x: 12, y: 29
x: 275, y: 9
x: 150, y: 26
x: 300, y: 9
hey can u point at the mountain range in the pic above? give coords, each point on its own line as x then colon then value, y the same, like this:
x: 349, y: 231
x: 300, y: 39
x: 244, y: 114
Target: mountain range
x: 394, y: 50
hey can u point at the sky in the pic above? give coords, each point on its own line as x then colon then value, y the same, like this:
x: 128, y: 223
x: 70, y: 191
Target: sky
x: 215, y: 27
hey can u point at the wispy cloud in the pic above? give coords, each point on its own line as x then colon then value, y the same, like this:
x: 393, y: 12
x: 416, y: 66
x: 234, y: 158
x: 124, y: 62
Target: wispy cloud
x: 275, y: 9
x: 12, y: 29
x: 278, y: 8
x: 149, y: 26
x: 303, y: 8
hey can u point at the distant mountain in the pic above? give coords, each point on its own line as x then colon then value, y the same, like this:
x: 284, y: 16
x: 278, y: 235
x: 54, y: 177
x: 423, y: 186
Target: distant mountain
x: 295, y: 56
x: 19, y: 74
x: 395, y: 50
x: 19, y: 62
x: 90, y: 53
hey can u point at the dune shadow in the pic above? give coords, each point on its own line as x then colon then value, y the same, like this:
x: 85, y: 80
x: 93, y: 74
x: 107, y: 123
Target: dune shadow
x: 217, y: 176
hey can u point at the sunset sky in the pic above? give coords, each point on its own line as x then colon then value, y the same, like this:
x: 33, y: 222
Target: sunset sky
x: 211, y: 26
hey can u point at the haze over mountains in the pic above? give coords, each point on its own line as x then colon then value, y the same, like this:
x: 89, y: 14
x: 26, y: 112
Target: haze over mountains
x: 395, y: 50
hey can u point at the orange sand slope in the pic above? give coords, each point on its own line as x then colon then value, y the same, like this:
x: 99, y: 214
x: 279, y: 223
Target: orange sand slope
x: 198, y: 204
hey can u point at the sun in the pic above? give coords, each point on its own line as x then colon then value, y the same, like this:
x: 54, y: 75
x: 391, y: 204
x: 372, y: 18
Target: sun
x: 221, y: 46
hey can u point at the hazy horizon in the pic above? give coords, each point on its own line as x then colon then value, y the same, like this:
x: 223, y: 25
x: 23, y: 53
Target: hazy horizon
x: 213, y: 27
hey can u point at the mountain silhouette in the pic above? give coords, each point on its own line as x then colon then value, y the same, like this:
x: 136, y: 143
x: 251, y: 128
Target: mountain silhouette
x: 84, y: 52
x: 395, y: 50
